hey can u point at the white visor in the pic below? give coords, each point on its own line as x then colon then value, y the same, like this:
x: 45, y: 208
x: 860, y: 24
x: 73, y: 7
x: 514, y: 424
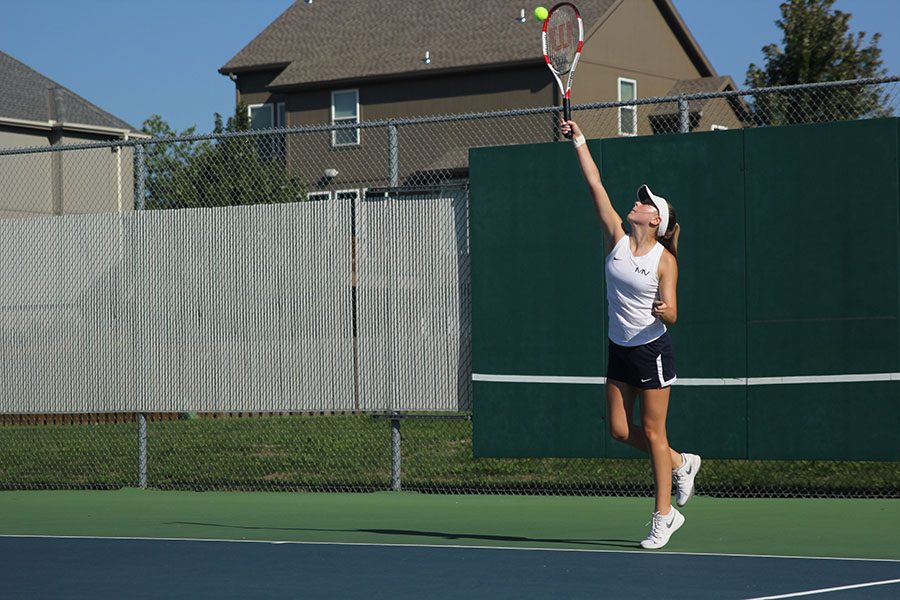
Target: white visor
x: 661, y: 205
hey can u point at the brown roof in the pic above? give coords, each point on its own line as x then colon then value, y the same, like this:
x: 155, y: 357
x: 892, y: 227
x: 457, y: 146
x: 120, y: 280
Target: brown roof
x: 326, y: 40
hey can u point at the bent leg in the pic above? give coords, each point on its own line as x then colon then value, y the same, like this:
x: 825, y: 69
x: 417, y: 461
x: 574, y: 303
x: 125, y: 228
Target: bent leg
x: 619, y: 409
x: 620, y: 399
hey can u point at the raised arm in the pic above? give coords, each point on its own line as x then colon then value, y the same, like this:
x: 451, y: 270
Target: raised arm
x: 609, y: 219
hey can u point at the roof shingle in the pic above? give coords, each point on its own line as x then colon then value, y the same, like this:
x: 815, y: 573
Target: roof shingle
x: 394, y: 35
x: 26, y: 94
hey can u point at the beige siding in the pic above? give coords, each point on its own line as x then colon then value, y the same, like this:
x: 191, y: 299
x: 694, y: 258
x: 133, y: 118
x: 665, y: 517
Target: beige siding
x: 252, y: 88
x: 73, y: 181
x: 634, y: 42
x: 446, y: 94
x: 636, y: 39
x: 422, y: 147
x: 718, y: 111
x: 97, y: 180
x: 25, y: 180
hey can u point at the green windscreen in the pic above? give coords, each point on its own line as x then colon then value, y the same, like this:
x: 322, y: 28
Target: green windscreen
x: 788, y: 292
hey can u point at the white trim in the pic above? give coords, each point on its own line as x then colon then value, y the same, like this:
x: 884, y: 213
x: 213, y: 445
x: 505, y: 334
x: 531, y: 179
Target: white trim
x: 79, y: 127
x: 277, y: 120
x: 538, y: 379
x: 427, y: 546
x: 850, y: 378
x: 345, y: 119
x: 43, y: 125
x: 271, y: 108
x: 619, y: 83
x: 711, y: 381
x: 659, y: 371
x: 83, y: 128
x: 831, y: 589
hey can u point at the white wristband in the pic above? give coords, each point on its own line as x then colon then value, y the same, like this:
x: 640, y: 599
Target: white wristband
x: 579, y: 140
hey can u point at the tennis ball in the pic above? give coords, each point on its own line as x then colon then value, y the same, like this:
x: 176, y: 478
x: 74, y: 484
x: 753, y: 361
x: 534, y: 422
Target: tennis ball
x: 540, y: 13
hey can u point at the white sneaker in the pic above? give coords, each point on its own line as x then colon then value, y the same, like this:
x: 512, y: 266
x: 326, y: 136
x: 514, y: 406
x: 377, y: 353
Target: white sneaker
x: 683, y: 477
x: 661, y: 529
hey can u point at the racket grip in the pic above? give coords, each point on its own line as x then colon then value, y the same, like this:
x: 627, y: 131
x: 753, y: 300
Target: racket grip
x: 567, y: 115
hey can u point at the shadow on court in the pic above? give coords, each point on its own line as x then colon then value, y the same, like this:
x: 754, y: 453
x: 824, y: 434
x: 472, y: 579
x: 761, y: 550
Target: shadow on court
x: 442, y: 535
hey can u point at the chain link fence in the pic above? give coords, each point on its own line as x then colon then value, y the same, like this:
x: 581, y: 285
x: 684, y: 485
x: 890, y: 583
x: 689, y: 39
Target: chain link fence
x: 305, y: 324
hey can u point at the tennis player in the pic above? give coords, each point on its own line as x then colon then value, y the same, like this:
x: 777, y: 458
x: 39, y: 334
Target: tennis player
x: 641, y: 278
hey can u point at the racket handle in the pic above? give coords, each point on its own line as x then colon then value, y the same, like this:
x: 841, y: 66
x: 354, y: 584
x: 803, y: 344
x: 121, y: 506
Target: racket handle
x: 567, y: 114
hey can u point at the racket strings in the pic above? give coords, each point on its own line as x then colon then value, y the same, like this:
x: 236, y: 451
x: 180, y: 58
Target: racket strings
x: 562, y: 38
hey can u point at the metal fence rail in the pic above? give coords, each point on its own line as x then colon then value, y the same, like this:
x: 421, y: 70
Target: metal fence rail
x: 328, y: 284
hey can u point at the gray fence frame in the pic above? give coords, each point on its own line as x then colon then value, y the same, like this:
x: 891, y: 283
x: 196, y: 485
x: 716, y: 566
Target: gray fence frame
x: 396, y: 137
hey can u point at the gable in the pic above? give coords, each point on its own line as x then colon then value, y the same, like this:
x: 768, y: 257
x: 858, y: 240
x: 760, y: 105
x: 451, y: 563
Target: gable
x: 637, y: 37
x: 28, y: 95
x: 353, y: 39
x: 330, y: 41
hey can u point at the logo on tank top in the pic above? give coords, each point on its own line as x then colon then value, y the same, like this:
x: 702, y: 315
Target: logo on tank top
x: 641, y: 271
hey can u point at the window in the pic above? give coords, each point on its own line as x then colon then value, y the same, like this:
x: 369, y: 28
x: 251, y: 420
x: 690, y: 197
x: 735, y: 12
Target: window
x: 318, y: 196
x: 268, y: 116
x: 627, y: 114
x: 345, y: 109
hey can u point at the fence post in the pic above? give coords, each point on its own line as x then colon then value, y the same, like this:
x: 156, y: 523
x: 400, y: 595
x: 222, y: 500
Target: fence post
x: 395, y: 453
x: 393, y: 156
x: 142, y: 450
x: 684, y: 116
x: 140, y: 176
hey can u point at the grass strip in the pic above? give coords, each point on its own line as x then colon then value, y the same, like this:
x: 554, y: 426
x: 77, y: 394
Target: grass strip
x: 353, y: 452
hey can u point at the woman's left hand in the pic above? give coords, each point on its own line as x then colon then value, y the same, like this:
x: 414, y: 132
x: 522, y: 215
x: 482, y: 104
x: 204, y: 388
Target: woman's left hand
x: 662, y: 311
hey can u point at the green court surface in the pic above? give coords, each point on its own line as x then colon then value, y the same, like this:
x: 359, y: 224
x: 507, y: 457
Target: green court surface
x: 774, y: 527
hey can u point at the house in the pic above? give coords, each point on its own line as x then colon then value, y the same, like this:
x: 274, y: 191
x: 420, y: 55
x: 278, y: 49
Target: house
x: 37, y: 112
x: 703, y: 114
x: 329, y: 61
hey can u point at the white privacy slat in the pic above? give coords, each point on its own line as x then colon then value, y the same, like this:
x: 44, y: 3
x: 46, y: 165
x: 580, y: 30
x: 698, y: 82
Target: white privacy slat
x: 226, y: 309
x: 412, y: 266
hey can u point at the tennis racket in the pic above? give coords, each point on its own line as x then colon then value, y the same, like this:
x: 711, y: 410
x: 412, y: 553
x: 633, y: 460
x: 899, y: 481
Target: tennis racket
x: 563, y: 37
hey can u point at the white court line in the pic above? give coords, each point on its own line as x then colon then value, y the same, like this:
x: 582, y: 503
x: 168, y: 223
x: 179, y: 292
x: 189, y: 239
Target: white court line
x: 701, y: 381
x: 460, y: 546
x: 826, y: 590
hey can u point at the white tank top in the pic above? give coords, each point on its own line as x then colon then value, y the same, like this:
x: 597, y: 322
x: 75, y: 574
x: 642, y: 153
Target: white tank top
x: 632, y: 285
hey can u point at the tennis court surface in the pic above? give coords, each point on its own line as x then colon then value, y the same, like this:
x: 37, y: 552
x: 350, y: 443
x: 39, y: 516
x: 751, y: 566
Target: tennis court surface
x: 152, y: 544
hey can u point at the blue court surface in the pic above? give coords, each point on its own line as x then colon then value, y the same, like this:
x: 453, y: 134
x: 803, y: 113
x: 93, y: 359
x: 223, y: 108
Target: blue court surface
x: 82, y: 567
x: 402, y: 545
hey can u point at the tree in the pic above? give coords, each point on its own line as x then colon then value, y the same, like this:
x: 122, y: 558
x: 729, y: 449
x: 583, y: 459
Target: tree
x: 817, y: 46
x: 227, y: 171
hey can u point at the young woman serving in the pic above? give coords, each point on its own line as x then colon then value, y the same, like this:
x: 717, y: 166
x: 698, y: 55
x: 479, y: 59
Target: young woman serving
x: 641, y: 281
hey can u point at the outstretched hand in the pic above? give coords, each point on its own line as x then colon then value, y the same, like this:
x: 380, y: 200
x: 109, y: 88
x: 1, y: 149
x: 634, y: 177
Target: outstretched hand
x: 566, y: 126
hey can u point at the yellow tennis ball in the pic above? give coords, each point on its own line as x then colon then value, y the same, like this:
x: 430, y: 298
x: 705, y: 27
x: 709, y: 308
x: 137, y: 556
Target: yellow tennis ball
x: 540, y: 13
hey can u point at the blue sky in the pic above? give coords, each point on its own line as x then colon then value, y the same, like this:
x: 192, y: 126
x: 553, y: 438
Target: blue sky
x: 135, y: 59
